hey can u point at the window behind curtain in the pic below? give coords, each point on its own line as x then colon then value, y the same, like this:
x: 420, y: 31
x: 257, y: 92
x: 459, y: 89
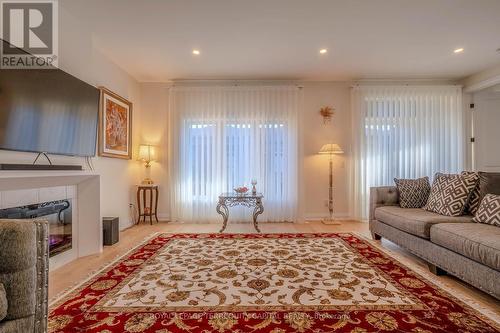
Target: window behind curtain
x: 227, y: 136
x: 238, y: 141
x: 404, y: 132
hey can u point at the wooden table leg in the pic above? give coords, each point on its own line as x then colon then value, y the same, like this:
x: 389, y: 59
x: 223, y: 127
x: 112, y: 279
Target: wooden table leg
x: 156, y: 205
x: 150, y: 190
x: 144, y: 200
x: 138, y: 206
x: 224, y: 211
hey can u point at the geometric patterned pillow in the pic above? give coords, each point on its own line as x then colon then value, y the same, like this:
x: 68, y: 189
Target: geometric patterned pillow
x: 413, y: 193
x: 489, y: 210
x: 475, y: 198
x: 450, y: 193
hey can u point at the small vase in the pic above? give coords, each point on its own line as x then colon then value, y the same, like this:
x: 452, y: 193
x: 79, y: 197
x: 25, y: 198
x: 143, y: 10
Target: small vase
x: 254, y: 189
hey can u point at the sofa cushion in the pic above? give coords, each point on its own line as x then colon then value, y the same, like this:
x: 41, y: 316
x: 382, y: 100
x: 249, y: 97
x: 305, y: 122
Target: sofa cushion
x: 415, y: 221
x: 413, y: 193
x: 477, y: 241
x: 489, y: 210
x: 18, y: 257
x: 489, y: 182
x: 3, y: 302
x: 450, y: 193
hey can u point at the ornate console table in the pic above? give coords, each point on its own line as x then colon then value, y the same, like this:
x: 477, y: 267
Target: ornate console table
x: 234, y: 199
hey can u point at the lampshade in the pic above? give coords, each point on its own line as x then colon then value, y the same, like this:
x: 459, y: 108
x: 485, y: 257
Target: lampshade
x: 147, y: 153
x: 331, y: 148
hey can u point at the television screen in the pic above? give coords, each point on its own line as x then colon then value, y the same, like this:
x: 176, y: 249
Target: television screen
x: 47, y: 110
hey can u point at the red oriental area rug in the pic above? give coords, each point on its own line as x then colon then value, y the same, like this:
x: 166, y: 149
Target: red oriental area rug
x: 273, y: 283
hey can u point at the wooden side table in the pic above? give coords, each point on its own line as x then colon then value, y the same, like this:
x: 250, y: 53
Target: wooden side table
x: 147, y: 193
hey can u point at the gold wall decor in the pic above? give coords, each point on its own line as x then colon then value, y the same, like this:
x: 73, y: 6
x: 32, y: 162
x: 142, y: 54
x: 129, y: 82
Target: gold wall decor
x: 327, y: 113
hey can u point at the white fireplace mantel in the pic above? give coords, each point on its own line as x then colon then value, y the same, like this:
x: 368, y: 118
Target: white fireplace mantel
x: 29, y: 186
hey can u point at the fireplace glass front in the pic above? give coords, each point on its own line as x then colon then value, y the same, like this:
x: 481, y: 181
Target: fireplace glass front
x: 57, y: 213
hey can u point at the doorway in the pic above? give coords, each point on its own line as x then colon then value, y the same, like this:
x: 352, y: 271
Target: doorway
x: 486, y: 127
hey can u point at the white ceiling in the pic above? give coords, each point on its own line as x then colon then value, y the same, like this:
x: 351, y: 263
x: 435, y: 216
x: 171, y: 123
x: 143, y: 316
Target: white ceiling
x: 280, y: 39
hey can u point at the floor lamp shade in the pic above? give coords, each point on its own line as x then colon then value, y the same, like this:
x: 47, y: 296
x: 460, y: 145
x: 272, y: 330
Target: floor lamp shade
x: 330, y: 149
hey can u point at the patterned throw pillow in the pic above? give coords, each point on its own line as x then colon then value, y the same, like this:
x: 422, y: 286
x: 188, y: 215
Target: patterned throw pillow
x: 413, y: 193
x: 450, y: 193
x: 489, y: 210
x: 475, y: 198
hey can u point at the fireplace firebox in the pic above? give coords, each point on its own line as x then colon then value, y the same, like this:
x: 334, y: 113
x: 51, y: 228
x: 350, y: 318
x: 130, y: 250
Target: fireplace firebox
x: 57, y: 213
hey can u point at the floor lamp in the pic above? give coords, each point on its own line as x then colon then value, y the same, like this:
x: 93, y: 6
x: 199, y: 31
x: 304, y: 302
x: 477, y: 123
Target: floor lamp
x: 330, y: 149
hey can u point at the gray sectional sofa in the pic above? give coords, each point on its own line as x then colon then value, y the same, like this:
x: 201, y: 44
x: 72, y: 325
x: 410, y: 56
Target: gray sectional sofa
x: 24, y: 266
x: 454, y: 245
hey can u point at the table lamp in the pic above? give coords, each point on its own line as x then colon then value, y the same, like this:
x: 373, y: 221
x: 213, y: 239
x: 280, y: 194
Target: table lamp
x: 147, y: 154
x: 330, y: 149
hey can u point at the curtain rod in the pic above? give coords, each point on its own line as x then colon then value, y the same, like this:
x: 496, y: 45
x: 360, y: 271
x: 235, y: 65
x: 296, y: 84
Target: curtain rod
x: 395, y: 84
x: 196, y: 83
x: 235, y: 82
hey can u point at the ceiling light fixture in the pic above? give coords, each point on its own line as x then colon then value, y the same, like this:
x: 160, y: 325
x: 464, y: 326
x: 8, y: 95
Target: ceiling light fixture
x: 460, y: 50
x: 196, y: 52
x: 323, y: 51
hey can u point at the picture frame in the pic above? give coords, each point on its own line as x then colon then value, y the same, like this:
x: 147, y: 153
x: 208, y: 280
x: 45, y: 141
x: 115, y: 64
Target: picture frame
x: 115, y: 125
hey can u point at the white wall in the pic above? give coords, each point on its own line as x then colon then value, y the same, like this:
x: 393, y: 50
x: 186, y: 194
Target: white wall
x: 314, y: 191
x: 314, y: 134
x: 474, y: 84
x: 486, y: 119
x: 154, y: 97
x: 79, y: 57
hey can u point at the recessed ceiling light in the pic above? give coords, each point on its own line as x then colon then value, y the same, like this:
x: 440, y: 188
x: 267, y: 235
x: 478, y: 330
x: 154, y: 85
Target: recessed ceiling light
x: 323, y: 51
x: 196, y: 52
x: 459, y: 50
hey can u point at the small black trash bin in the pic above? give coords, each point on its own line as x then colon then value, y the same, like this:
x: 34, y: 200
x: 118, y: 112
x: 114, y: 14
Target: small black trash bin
x: 111, y: 230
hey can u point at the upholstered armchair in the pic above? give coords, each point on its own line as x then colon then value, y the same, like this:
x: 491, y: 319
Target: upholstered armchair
x: 24, y: 263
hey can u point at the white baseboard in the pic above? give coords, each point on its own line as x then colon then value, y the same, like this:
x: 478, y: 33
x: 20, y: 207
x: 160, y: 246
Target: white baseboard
x: 309, y: 217
x: 321, y: 216
x: 164, y: 216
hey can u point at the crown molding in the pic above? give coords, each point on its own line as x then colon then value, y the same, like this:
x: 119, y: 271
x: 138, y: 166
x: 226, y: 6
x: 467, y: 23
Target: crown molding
x: 483, y: 84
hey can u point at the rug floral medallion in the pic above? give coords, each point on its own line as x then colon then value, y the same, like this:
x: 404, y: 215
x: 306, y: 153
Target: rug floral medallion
x: 272, y: 283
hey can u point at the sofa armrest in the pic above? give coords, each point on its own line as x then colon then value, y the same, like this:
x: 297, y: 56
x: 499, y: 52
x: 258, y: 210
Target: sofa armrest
x: 3, y: 302
x: 24, y: 258
x: 382, y: 196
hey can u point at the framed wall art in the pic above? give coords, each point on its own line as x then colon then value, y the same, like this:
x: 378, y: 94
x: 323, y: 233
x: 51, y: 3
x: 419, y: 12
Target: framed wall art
x: 115, y: 125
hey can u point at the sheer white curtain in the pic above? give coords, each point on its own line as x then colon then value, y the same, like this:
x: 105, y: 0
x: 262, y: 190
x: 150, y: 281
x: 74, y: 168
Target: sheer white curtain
x: 223, y: 137
x: 404, y: 132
